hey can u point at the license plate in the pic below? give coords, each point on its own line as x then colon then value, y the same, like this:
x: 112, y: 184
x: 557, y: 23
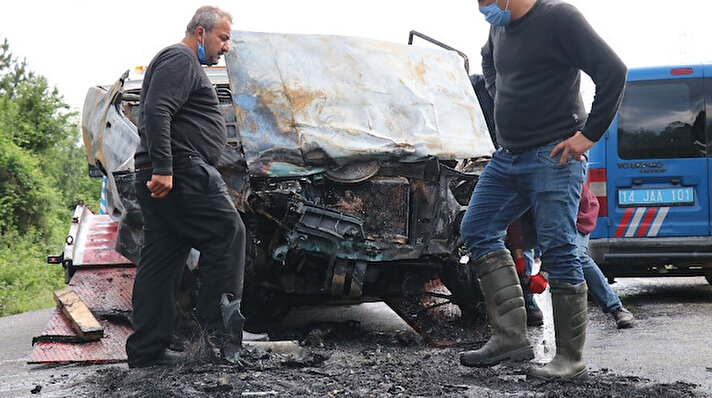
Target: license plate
x: 684, y: 196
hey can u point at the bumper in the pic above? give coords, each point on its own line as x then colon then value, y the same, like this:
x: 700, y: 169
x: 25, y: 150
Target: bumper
x: 683, y: 256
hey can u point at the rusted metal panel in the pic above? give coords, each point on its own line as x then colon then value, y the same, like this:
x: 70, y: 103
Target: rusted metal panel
x: 382, y: 203
x: 107, y: 293
x: 320, y: 100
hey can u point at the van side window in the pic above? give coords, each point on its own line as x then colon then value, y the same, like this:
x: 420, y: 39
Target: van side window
x: 662, y: 119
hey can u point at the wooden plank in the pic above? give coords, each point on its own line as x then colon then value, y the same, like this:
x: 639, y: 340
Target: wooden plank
x: 82, y: 320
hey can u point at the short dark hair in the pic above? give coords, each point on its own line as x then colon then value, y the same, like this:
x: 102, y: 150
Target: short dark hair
x: 208, y: 17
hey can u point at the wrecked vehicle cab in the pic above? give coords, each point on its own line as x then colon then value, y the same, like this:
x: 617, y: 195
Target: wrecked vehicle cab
x: 344, y: 158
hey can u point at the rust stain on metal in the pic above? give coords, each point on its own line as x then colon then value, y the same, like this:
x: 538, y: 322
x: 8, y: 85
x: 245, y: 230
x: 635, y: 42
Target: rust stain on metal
x: 300, y: 99
x: 420, y: 71
x: 351, y: 203
x: 421, y: 190
x: 383, y: 219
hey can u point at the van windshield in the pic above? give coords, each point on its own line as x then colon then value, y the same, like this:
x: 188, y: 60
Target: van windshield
x: 662, y: 119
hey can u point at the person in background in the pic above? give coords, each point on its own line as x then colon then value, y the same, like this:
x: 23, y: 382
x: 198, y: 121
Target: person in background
x: 521, y: 240
x: 598, y: 288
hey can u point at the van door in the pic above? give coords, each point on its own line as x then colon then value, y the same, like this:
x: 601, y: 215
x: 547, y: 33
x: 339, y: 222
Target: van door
x: 658, y: 171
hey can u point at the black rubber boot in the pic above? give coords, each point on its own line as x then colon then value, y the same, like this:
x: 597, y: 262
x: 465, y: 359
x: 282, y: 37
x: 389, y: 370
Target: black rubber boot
x: 505, y: 309
x: 570, y: 316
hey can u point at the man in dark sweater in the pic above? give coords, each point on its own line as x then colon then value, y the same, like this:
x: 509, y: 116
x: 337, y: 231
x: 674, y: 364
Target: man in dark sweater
x: 532, y: 62
x: 183, y: 198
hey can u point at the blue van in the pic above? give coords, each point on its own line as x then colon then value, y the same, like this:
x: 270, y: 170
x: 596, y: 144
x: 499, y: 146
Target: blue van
x: 651, y: 173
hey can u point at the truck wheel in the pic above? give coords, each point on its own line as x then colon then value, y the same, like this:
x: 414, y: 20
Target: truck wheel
x: 465, y: 289
x: 260, y: 305
x: 262, y: 308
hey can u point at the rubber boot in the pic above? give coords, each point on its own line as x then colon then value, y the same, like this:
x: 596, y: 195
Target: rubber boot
x: 570, y: 315
x: 505, y: 309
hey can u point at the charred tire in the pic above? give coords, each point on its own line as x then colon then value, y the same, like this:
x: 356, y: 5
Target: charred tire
x: 260, y: 305
x: 263, y: 308
x: 465, y: 290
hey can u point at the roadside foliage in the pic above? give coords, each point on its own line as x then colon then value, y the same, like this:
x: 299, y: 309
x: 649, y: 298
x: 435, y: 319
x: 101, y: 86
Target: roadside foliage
x: 42, y: 176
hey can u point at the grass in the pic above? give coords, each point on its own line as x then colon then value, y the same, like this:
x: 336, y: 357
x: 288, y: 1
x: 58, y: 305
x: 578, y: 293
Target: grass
x: 26, y: 280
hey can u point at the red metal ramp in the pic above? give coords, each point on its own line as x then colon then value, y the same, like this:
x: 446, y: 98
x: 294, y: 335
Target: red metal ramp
x: 107, y: 293
x: 91, y: 240
x: 103, y: 281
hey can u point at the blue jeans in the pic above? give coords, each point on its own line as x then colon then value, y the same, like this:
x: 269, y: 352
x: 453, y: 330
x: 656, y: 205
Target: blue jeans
x: 511, y: 183
x: 528, y: 261
x: 598, y: 287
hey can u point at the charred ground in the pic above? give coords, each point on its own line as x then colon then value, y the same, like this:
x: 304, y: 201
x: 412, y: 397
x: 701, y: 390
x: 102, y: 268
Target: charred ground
x: 342, y: 359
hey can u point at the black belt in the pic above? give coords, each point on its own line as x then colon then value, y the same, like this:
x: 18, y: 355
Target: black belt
x: 513, y: 151
x: 177, y: 163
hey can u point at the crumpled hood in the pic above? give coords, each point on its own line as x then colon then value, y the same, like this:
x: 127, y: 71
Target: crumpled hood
x: 320, y: 100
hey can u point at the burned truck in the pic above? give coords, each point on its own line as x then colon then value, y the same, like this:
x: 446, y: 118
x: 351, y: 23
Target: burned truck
x: 350, y: 160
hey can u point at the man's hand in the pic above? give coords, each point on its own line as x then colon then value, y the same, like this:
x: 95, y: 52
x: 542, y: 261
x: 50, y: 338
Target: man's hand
x: 574, y: 146
x: 160, y: 185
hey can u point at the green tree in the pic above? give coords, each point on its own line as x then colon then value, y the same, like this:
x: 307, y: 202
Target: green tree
x: 12, y: 72
x: 43, y: 172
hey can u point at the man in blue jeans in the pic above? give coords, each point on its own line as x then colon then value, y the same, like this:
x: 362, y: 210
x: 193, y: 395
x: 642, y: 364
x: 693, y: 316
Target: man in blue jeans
x: 532, y: 62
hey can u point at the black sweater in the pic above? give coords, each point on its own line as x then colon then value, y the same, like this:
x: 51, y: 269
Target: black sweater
x: 532, y: 69
x: 178, y: 114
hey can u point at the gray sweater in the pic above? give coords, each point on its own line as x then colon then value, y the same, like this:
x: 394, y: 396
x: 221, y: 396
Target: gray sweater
x: 532, y: 70
x: 178, y: 114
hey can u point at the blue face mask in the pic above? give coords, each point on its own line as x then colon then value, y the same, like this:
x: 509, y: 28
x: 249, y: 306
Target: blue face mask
x: 201, y: 54
x: 495, y: 15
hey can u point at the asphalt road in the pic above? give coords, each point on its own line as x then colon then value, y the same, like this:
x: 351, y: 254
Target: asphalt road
x: 670, y: 342
x: 17, y: 378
